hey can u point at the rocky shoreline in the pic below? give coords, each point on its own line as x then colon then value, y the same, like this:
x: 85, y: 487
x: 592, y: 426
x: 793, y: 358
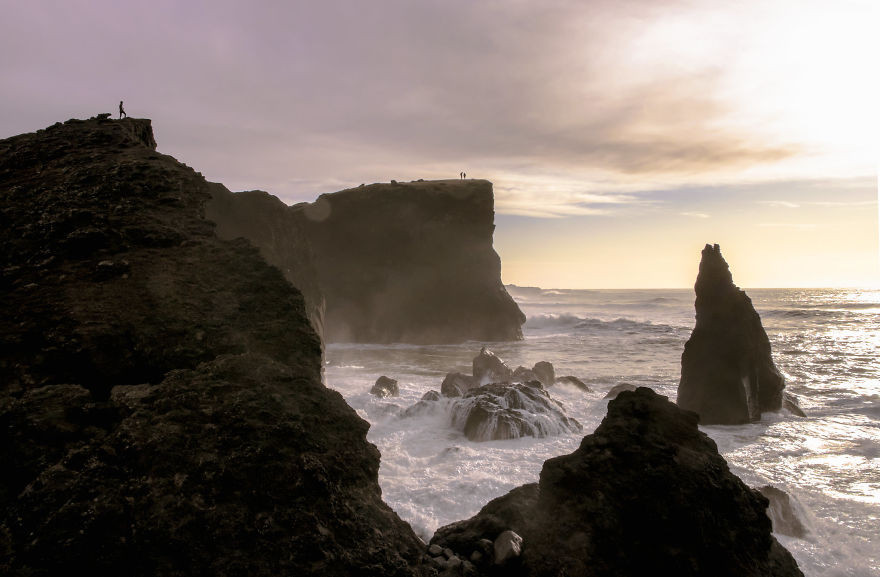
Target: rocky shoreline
x: 162, y: 410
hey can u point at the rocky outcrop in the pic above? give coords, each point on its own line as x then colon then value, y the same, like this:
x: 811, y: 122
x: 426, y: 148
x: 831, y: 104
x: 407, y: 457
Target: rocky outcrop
x: 457, y: 384
x: 410, y: 262
x: 510, y: 411
x: 385, y: 387
x: 782, y: 513
x: 727, y: 373
x: 161, y: 404
x: 573, y: 382
x: 489, y: 368
x: 646, y: 494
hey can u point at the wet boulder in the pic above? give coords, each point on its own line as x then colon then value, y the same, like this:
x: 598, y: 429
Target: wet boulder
x: 457, y: 384
x: 727, y: 372
x: 574, y: 382
x: 510, y: 411
x: 385, y: 387
x: 489, y: 368
x: 545, y: 373
x: 524, y: 375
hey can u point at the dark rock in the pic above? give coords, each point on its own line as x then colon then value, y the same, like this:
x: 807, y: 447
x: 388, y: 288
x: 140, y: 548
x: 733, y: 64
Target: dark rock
x: 646, y: 494
x: 510, y: 411
x: 457, y: 384
x: 782, y: 514
x: 410, y: 262
x: 161, y: 404
x: 619, y: 388
x: 524, y: 375
x: 727, y: 373
x: 545, y: 373
x: 426, y: 404
x: 478, y: 534
x: 574, y: 382
x: 385, y: 387
x: 488, y: 368
x: 790, y: 403
x: 508, y: 546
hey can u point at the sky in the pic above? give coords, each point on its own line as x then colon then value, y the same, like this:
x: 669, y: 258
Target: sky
x: 621, y: 136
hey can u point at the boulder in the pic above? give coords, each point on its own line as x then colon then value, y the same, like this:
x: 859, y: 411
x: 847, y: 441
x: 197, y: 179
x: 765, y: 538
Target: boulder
x: 545, y: 373
x: 782, y: 514
x: 524, y: 375
x: 457, y: 384
x: 619, y: 388
x: 489, y: 368
x: 574, y: 382
x: 646, y: 494
x: 385, y: 387
x: 426, y: 404
x: 510, y: 411
x: 507, y: 546
x: 727, y: 373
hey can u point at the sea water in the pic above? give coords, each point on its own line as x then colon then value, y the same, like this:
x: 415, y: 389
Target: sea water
x: 825, y: 342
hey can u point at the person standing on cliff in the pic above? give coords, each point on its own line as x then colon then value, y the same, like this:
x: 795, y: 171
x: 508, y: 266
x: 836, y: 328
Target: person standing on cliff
x: 122, y: 111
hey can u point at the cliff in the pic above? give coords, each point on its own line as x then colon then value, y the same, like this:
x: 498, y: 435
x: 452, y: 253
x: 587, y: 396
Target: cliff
x: 161, y: 407
x: 410, y: 262
x: 727, y: 372
x: 400, y: 262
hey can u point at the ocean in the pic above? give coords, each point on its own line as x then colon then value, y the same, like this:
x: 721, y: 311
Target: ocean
x: 825, y: 341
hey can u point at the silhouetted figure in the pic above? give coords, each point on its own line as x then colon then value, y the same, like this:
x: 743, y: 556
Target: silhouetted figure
x: 122, y: 111
x: 460, y: 175
x: 464, y: 175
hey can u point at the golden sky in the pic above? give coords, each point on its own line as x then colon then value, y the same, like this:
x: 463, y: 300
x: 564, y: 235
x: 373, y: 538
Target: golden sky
x: 621, y: 136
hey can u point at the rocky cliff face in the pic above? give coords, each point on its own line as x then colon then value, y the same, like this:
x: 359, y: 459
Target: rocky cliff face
x: 727, y: 372
x: 161, y: 408
x: 646, y: 494
x: 411, y: 263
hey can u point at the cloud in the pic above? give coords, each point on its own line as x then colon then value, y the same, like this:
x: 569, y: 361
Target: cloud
x: 779, y: 203
x: 695, y: 214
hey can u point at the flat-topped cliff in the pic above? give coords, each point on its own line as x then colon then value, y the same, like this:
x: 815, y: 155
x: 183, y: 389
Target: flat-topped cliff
x: 161, y: 404
x: 410, y: 262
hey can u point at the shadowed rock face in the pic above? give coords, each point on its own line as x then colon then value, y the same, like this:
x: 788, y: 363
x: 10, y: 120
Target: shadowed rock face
x: 646, y: 494
x: 161, y: 408
x: 727, y: 372
x: 410, y: 263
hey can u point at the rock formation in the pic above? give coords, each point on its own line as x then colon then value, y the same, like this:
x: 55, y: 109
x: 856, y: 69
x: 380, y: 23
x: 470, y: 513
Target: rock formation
x: 161, y: 407
x: 646, y: 494
x: 489, y: 368
x: 727, y: 373
x: 385, y: 387
x: 510, y: 411
x: 410, y: 262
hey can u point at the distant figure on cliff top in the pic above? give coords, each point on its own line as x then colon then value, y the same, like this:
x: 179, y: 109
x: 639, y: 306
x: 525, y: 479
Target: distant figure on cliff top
x: 461, y: 175
x: 122, y: 111
x: 464, y: 175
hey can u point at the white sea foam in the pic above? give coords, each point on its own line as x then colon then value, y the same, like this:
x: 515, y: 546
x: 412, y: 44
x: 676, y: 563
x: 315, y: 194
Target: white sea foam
x: 828, y: 462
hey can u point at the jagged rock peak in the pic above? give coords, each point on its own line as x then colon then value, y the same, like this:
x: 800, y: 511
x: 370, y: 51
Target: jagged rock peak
x: 727, y: 371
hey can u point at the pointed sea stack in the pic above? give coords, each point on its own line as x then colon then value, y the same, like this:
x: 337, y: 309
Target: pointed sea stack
x: 727, y: 373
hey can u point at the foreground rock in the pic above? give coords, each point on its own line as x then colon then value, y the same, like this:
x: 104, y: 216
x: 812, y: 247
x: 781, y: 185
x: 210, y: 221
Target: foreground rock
x: 727, y: 373
x: 161, y: 407
x: 646, y: 494
x: 510, y: 411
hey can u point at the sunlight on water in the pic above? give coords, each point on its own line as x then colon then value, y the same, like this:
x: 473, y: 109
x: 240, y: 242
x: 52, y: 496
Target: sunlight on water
x: 826, y: 342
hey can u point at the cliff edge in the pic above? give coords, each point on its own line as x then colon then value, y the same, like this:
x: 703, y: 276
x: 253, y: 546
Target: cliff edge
x: 161, y: 406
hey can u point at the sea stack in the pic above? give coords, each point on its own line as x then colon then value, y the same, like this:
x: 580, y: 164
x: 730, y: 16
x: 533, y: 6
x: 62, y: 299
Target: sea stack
x: 727, y: 373
x: 410, y: 262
